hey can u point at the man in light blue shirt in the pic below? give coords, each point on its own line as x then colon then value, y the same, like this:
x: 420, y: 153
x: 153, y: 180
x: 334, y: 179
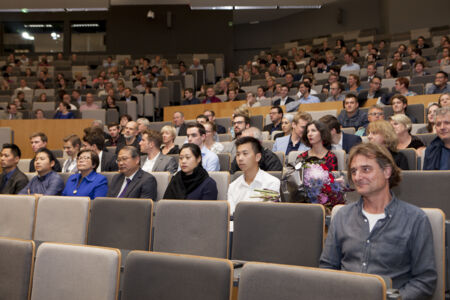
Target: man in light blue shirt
x: 305, y: 90
x: 196, y: 134
x: 349, y: 64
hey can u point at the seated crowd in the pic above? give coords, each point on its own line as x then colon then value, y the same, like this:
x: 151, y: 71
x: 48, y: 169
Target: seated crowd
x: 378, y: 234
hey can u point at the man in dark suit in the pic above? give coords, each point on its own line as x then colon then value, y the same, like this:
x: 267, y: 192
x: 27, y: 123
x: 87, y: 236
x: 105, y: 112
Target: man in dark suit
x: 340, y: 140
x: 211, y: 115
x: 128, y: 96
x: 284, y: 97
x: 129, y: 136
x: 276, y: 115
x: 373, y: 92
x: 39, y: 140
x: 12, y: 180
x: 96, y: 142
x: 155, y: 161
x: 178, y: 123
x: 132, y: 181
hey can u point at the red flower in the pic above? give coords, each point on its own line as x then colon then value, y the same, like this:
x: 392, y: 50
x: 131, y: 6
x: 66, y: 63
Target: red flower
x: 331, y: 177
x: 324, y: 166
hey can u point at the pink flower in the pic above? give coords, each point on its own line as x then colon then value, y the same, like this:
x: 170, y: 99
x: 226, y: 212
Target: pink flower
x: 322, y: 198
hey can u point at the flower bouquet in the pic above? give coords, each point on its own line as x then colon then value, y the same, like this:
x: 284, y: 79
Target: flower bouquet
x: 267, y: 195
x: 310, y: 181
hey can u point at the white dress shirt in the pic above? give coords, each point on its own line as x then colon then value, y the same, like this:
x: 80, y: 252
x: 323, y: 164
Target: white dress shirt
x: 150, y: 163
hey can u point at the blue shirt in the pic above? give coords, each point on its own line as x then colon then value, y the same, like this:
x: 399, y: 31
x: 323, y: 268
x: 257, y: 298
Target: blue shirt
x: 94, y: 185
x: 309, y: 99
x: 400, y: 246
x: 49, y: 184
x: 445, y: 155
x: 359, y: 119
x: 210, y: 160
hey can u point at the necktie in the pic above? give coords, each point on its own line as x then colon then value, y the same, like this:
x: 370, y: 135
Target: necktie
x: 125, y: 189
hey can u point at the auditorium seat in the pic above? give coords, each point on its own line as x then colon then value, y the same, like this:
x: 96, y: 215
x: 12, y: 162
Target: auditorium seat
x: 62, y: 219
x: 192, y: 227
x: 158, y: 125
x: 164, y: 276
x: 162, y: 181
x: 259, y: 281
x: 257, y: 121
x: 226, y: 137
x: 17, y: 213
x: 121, y: 223
x: 224, y: 161
x: 75, y: 272
x: 411, y: 156
x: 16, y: 261
x: 96, y: 114
x: 222, y: 180
x: 6, y: 135
x: 284, y: 233
x: 426, y: 138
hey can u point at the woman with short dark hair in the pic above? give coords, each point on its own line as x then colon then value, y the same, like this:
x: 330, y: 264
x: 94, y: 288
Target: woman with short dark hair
x: 87, y: 182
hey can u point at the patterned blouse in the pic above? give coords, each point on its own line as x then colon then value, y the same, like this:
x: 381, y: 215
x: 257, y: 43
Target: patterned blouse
x: 330, y: 160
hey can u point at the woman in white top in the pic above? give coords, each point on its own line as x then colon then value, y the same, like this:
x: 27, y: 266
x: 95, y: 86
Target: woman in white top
x: 210, y: 142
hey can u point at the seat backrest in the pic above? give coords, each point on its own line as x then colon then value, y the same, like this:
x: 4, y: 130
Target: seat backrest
x: 257, y: 121
x: 192, y: 227
x: 437, y: 221
x: 349, y: 130
x: 158, y: 125
x: 281, y: 156
x: 418, y: 111
x: 76, y: 272
x: 162, y: 181
x: 285, y: 233
x: 16, y: 259
x: 226, y: 137
x: 6, y: 135
x: 17, y: 216
x: 427, y: 138
x: 121, y: 223
x: 224, y: 161
x: 316, y: 115
x: 24, y: 164
x: 260, y: 281
x: 425, y: 189
x: 180, y: 140
x: 44, y: 105
x: 148, y: 275
x: 96, y: 114
x: 411, y: 156
x: 222, y: 180
x: 62, y: 219
x: 268, y: 144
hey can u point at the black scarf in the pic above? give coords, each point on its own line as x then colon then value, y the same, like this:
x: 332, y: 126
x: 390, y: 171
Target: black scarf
x: 182, y: 185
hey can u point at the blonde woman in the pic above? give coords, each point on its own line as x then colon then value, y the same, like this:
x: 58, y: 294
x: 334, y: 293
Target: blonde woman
x: 402, y: 127
x: 168, y: 134
x: 381, y: 132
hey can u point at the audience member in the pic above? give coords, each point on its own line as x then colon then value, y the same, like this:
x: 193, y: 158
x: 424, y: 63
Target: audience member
x: 276, y: 115
x: 86, y: 182
x: 382, y: 133
x: 110, y: 103
x: 351, y: 115
x: 72, y: 145
x: 375, y: 113
x: 96, y: 143
x: 114, y: 134
x: 305, y: 90
x: 381, y: 234
x: 354, y: 84
x: 47, y: 181
x: 318, y: 138
x: 294, y: 142
x: 402, y: 127
x: 39, y: 140
x: 402, y: 85
x: 189, y: 97
x: 155, y: 161
x: 284, y: 99
x: 132, y: 181
x: 63, y: 112
x: 12, y: 180
x: 129, y: 136
x: 211, y: 96
x: 251, y: 100
x: 11, y: 113
x: 400, y: 105
x: 373, y: 92
x: 248, y: 156
x: 336, y: 94
x: 196, y: 134
x: 127, y: 96
x: 431, y: 116
x: 444, y: 100
x: 210, y: 141
x: 211, y: 115
x: 192, y: 182
x: 437, y: 154
x: 39, y: 114
x: 89, y: 105
x: 178, y: 123
x: 339, y: 139
x: 440, y: 84
x: 286, y: 126
x: 349, y: 64
x: 168, y: 135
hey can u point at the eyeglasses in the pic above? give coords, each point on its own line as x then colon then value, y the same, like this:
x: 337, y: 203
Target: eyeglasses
x: 238, y: 122
x: 376, y: 114
x: 84, y: 158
